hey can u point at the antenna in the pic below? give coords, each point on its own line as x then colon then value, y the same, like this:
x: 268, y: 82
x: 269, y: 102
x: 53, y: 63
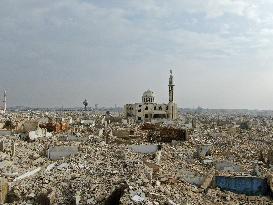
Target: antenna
x: 5, y: 101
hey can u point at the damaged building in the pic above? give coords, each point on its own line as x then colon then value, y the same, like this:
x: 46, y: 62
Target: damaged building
x: 148, y: 110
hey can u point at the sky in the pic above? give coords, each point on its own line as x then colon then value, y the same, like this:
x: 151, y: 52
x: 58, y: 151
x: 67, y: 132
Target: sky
x: 57, y: 53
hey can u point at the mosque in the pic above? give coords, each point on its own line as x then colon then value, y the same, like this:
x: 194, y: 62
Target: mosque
x: 149, y: 110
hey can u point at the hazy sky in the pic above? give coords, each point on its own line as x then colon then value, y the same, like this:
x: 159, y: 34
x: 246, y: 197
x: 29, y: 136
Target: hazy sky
x: 58, y: 52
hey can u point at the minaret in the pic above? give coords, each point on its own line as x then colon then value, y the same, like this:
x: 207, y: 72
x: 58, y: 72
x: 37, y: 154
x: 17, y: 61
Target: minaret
x: 5, y: 101
x: 171, y: 87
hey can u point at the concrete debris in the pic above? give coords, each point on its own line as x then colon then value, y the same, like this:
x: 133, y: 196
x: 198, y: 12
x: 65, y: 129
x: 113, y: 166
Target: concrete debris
x: 170, y: 202
x: 145, y: 149
x: 164, y: 134
x: 137, y: 196
x: 207, y: 182
x: 4, y: 188
x: 50, y: 167
x: 270, y: 157
x: 32, y: 135
x: 204, y: 150
x: 89, y: 157
x: 5, y: 133
x: 227, y: 166
x: 192, y: 177
x: 59, y: 152
x: 28, y: 174
x: 13, y: 149
x: 2, y: 146
x: 63, y: 166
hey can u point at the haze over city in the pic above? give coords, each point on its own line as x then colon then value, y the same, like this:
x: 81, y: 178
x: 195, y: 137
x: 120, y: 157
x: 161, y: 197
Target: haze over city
x: 153, y: 102
x: 57, y: 53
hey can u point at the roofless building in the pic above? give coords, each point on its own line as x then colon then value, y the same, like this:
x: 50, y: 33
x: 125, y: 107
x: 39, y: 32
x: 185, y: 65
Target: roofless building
x: 148, y: 109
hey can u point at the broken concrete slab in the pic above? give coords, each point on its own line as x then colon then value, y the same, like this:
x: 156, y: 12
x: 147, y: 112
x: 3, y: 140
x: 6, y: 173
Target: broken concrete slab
x: 192, y: 177
x: 144, y: 149
x: 59, y: 152
x: 227, y: 166
x: 28, y: 174
x: 5, y: 133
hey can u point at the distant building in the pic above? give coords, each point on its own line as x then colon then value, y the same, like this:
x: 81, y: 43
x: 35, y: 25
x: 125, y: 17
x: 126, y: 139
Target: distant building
x: 148, y: 109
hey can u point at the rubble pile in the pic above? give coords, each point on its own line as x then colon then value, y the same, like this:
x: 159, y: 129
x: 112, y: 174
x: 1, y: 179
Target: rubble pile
x: 201, y: 158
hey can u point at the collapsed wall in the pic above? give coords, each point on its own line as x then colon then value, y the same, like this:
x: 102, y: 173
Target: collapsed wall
x: 158, y: 133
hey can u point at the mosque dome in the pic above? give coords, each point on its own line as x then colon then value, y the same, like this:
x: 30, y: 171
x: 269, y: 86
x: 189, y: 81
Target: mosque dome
x: 148, y: 97
x: 148, y: 93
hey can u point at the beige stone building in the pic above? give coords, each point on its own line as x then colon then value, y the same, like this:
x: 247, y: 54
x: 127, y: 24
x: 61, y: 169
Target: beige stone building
x: 149, y: 110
